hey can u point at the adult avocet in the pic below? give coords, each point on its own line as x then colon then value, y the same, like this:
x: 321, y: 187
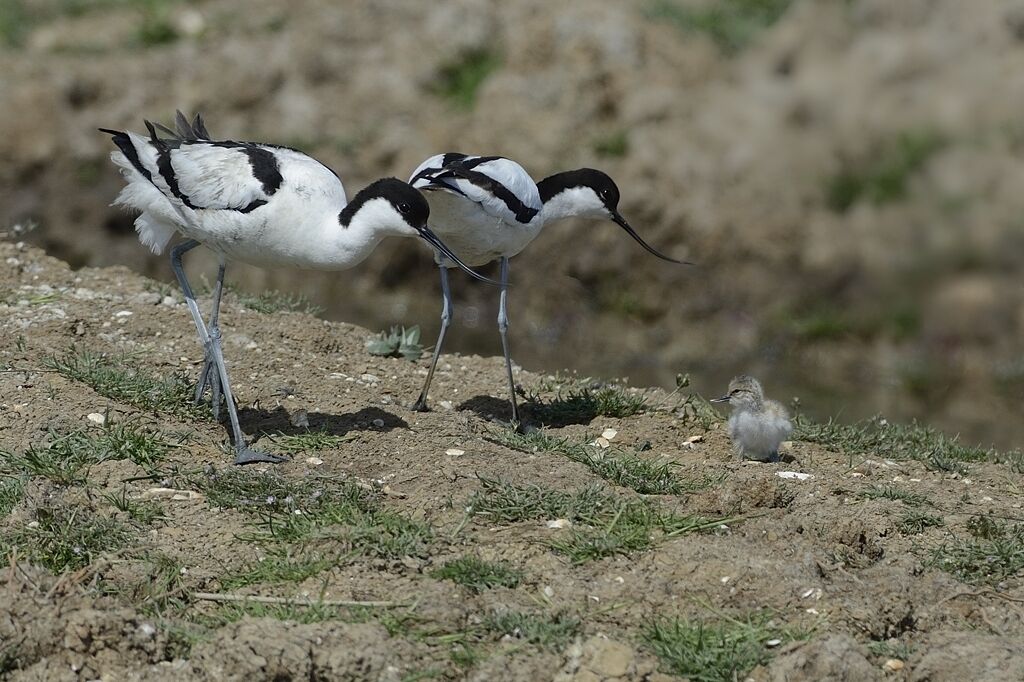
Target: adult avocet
x: 488, y: 207
x: 256, y: 203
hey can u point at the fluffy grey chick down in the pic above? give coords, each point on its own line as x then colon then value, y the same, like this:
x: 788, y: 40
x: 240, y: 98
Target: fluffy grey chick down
x: 757, y: 425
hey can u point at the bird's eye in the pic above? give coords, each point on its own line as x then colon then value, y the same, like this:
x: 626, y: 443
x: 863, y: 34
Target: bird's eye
x: 404, y: 208
x: 603, y: 194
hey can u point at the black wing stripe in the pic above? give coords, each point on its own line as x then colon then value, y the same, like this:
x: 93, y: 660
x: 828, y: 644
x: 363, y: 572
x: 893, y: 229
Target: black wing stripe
x: 264, y: 168
x: 521, y: 211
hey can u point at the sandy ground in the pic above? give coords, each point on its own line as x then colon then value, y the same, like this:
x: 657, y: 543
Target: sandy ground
x: 842, y: 582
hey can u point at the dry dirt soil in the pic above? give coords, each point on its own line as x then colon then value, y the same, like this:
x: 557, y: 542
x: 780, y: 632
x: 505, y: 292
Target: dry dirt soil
x: 572, y: 561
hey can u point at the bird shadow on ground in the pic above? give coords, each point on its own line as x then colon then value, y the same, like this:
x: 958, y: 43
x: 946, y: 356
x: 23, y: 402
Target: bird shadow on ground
x: 487, y: 407
x: 282, y: 421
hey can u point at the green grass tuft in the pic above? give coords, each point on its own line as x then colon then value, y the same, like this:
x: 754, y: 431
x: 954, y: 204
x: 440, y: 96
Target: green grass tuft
x: 893, y: 493
x: 718, y: 651
x: 546, y: 631
x: 61, y: 539
x: 582, y: 403
x: 311, y: 527
x: 732, y: 24
x: 885, y: 178
x: 478, y: 575
x: 878, y: 437
x: 994, y: 554
x: 915, y: 523
x: 119, y: 379
x: 66, y: 458
x: 460, y: 80
x: 12, y: 489
x: 310, y: 441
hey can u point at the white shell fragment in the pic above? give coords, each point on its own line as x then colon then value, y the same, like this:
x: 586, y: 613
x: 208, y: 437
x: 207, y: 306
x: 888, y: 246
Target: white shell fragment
x: 556, y: 524
x: 454, y: 452
x: 799, y: 476
x: 172, y: 493
x: 609, y: 433
x: 97, y: 418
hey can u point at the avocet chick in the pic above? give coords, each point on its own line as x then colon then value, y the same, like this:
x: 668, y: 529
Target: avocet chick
x: 757, y: 425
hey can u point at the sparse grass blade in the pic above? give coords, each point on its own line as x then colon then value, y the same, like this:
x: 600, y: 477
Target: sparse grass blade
x: 478, y: 575
x: 118, y: 378
x: 269, y: 302
x: 879, y: 438
x: 989, y: 558
x: 612, y: 464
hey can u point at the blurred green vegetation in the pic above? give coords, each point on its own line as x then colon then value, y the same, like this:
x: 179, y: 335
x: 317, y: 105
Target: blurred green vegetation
x: 155, y: 17
x: 612, y: 145
x: 732, y: 24
x: 883, y: 179
x: 460, y: 79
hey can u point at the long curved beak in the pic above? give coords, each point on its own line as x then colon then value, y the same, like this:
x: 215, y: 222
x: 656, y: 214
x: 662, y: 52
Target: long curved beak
x: 621, y: 222
x: 436, y: 242
x: 723, y: 399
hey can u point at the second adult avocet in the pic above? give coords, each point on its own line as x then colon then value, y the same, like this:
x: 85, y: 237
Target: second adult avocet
x: 488, y: 207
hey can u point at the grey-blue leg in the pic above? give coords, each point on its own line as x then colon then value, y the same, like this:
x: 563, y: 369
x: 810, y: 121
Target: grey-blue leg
x: 503, y: 330
x: 446, y: 319
x: 243, y: 453
x: 208, y: 375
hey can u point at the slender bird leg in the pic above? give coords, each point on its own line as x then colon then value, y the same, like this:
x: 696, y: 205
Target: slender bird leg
x: 446, y: 319
x: 503, y: 329
x: 243, y: 453
x: 208, y: 375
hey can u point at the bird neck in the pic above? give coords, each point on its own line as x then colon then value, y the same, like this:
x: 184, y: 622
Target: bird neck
x: 560, y: 201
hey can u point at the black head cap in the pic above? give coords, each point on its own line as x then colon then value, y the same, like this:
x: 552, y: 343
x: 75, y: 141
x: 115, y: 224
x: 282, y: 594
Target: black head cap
x: 406, y: 200
x: 603, y: 186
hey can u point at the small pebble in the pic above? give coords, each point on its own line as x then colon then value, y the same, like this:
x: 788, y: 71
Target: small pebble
x: 454, y: 452
x: 314, y: 461
x: 446, y: 404
x: 548, y: 592
x: 556, y: 524
x: 369, y: 378
x: 772, y: 643
x: 793, y: 475
x: 609, y: 433
x: 97, y: 418
x: 893, y: 665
